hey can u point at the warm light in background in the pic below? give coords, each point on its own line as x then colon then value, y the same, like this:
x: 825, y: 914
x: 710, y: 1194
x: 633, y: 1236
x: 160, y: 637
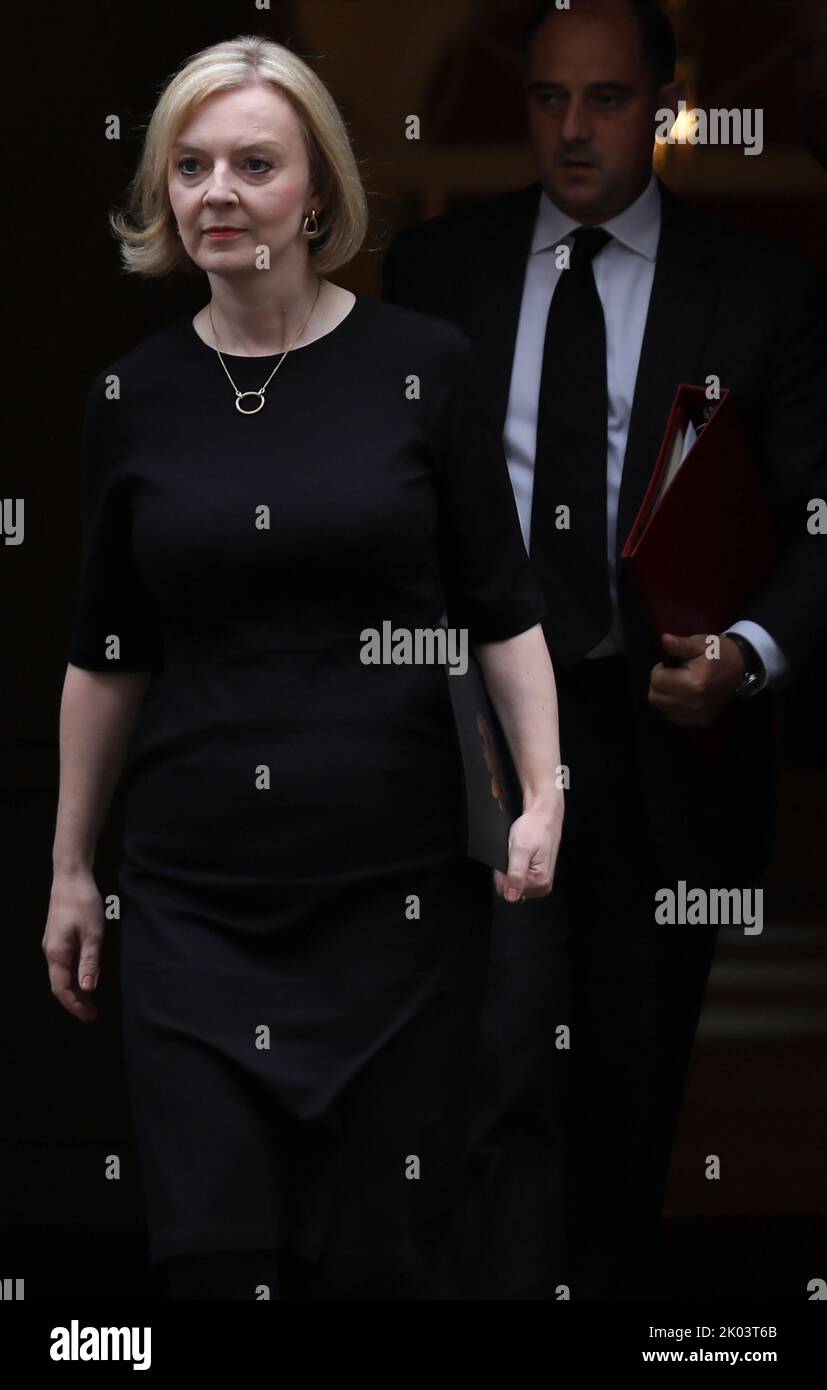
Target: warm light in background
x: 680, y: 129
x: 686, y: 74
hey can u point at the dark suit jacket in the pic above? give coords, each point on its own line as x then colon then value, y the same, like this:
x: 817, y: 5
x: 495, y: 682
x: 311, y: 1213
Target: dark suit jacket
x: 725, y: 303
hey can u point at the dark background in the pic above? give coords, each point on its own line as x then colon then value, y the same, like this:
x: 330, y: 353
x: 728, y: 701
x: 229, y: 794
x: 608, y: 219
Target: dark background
x: 756, y: 1090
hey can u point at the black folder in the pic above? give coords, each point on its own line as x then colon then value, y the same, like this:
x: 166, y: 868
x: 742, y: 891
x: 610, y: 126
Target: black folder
x: 493, y: 797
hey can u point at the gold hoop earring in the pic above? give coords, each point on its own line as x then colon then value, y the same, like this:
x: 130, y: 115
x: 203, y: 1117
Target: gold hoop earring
x: 310, y: 226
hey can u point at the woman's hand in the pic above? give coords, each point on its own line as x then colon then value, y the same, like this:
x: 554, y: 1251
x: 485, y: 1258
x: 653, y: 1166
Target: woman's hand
x: 533, y: 846
x: 520, y: 681
x: 73, y: 939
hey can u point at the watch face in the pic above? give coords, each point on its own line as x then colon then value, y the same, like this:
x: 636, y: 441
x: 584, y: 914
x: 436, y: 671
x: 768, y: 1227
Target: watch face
x: 750, y: 685
x: 753, y: 665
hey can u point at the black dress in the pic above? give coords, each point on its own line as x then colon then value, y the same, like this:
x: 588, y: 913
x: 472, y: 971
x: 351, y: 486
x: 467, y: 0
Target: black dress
x: 304, y: 942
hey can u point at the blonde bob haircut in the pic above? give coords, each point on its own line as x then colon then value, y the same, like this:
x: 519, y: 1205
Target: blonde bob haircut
x: 149, y: 242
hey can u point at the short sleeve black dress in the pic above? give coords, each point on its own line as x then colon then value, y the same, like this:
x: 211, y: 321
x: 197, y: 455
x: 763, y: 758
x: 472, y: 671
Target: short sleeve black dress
x: 304, y: 941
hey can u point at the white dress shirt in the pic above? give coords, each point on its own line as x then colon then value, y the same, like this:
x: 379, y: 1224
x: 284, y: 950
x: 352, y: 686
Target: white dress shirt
x: 623, y: 271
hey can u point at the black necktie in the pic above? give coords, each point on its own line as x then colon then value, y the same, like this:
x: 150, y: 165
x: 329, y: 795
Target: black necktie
x: 569, y: 548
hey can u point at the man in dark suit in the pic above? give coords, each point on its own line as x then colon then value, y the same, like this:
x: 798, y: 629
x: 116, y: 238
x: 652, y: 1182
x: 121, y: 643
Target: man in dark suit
x: 591, y: 295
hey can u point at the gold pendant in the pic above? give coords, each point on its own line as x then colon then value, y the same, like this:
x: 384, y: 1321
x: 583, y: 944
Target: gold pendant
x: 256, y: 408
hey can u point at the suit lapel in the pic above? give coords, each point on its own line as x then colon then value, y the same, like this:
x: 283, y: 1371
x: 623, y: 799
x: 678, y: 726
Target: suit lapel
x: 685, y: 291
x: 495, y: 289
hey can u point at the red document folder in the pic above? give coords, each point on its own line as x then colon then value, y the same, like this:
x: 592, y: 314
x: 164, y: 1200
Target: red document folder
x: 698, y: 550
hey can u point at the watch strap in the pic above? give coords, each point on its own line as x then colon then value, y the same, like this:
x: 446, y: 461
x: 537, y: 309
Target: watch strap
x: 755, y: 673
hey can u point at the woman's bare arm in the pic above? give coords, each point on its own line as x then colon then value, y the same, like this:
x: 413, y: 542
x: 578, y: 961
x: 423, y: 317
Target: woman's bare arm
x: 98, y: 710
x: 97, y: 714
x: 520, y: 680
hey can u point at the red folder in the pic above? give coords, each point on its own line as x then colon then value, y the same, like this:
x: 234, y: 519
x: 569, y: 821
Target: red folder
x: 700, y: 552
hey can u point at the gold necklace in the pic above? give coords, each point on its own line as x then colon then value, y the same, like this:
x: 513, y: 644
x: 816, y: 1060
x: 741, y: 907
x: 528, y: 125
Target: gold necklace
x: 240, y: 395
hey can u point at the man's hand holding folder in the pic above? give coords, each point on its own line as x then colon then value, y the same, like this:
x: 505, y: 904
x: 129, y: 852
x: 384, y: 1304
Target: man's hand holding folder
x: 689, y: 688
x: 702, y: 543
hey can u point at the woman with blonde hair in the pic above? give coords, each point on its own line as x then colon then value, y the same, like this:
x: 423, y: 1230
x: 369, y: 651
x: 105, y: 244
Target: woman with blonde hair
x: 303, y: 936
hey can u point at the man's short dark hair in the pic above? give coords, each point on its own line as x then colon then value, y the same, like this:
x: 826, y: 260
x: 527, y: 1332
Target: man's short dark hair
x: 656, y: 30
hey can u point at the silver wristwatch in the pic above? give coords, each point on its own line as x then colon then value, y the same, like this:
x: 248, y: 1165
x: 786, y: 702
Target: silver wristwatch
x: 755, y: 672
